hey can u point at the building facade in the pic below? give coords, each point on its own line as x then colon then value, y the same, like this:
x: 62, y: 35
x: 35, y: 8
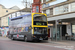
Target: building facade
x: 61, y: 15
x: 4, y: 11
x: 36, y: 6
x: 5, y: 19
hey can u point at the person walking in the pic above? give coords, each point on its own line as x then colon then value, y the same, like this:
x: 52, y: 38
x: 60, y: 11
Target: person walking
x: 8, y: 33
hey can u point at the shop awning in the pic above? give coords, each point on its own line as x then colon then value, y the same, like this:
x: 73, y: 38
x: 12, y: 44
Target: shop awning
x: 63, y: 17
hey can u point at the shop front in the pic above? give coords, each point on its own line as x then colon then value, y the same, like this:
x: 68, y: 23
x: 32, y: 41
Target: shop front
x: 73, y: 31
x: 63, y: 27
x: 59, y: 34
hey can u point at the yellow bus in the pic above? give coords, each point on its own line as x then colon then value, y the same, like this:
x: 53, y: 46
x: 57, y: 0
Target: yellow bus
x: 29, y: 27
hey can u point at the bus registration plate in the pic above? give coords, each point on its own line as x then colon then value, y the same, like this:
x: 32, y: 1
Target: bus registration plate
x: 41, y: 39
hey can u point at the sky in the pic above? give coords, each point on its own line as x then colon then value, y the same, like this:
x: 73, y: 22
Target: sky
x: 11, y: 3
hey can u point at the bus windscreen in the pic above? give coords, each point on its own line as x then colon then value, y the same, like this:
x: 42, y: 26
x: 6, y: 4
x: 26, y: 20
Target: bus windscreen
x: 40, y: 23
x: 40, y: 18
x: 40, y: 30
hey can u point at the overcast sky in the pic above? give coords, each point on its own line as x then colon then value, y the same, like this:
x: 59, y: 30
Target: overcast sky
x: 11, y: 3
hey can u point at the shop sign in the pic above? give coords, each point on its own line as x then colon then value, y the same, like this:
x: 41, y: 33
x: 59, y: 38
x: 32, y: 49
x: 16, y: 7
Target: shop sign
x: 58, y: 22
x: 53, y: 3
x: 45, y: 5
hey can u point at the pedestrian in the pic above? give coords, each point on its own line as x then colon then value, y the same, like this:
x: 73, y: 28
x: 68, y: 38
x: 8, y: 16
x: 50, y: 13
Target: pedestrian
x: 66, y: 36
x: 8, y: 33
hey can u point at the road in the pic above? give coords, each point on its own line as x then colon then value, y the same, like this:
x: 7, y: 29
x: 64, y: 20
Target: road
x: 7, y: 44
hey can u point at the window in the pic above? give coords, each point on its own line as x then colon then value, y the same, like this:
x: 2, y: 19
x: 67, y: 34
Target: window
x: 40, y: 30
x: 38, y: 17
x: 65, y: 8
x: 16, y: 18
x: 47, y: 0
x: 48, y: 12
x: 26, y: 28
x: 72, y: 6
x: 73, y: 29
x: 61, y: 9
x: 56, y: 10
x: 13, y: 15
x: 6, y: 10
x: 37, y: 8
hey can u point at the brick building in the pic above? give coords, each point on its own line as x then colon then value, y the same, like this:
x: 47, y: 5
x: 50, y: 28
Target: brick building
x: 36, y: 6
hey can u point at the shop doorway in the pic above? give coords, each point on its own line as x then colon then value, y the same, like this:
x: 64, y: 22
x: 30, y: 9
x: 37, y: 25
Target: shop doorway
x: 63, y: 32
x: 49, y: 33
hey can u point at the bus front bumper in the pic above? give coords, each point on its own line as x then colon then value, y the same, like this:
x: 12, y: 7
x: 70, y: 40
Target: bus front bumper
x: 35, y: 38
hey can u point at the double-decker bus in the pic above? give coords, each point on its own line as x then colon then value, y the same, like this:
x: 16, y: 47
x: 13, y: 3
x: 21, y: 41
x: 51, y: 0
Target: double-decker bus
x: 29, y: 27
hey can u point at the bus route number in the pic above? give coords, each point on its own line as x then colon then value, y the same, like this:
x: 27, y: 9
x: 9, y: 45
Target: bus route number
x: 38, y: 23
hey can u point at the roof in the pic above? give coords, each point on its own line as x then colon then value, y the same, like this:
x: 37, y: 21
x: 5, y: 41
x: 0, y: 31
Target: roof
x: 20, y: 16
x: 65, y: 16
x: 15, y: 7
x: 23, y: 10
x: 26, y: 9
x: 2, y: 6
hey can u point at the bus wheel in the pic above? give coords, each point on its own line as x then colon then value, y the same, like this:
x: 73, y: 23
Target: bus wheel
x: 25, y: 39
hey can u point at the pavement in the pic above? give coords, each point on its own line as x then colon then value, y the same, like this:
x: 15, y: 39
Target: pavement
x: 63, y: 42
x: 4, y: 38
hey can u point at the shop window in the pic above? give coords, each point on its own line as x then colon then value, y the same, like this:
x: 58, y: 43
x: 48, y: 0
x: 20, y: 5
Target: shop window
x: 73, y: 29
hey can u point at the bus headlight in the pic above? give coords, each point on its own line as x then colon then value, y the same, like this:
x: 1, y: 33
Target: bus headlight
x: 33, y: 36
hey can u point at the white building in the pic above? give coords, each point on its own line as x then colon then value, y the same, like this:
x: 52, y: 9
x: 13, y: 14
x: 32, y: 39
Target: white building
x: 61, y: 18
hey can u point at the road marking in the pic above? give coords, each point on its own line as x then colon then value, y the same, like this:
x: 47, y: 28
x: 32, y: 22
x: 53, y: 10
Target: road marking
x: 61, y: 47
